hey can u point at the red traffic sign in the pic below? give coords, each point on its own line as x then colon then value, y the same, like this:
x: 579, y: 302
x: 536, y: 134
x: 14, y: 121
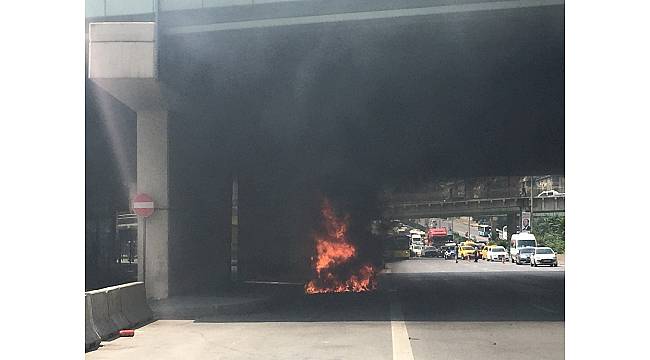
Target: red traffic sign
x: 143, y: 205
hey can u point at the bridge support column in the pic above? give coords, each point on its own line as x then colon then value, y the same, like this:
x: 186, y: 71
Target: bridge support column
x: 512, y: 219
x: 153, y: 179
x: 122, y: 60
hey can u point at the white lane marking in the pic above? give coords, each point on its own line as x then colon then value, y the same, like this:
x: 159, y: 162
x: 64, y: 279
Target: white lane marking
x: 401, y: 343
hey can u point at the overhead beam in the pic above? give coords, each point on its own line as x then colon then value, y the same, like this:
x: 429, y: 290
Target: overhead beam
x: 363, y: 15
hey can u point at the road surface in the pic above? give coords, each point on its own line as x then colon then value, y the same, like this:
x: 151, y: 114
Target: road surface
x: 424, y: 309
x: 460, y: 227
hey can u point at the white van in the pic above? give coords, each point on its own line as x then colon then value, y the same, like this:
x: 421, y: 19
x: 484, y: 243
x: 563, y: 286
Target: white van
x: 519, y: 241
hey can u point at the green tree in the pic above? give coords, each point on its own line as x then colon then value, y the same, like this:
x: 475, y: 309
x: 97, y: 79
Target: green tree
x: 549, y: 231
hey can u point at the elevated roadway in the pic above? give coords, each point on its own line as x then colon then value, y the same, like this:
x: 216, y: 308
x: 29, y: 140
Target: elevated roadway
x: 473, y: 207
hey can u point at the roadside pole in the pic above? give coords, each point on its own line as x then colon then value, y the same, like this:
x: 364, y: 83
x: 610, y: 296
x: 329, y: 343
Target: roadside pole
x: 144, y: 249
x: 530, y: 223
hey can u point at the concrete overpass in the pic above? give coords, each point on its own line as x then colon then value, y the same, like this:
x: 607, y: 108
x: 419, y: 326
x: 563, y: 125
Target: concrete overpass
x: 472, y: 207
x: 297, y: 98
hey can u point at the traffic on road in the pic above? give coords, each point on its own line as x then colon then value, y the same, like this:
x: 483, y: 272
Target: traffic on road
x: 440, y: 242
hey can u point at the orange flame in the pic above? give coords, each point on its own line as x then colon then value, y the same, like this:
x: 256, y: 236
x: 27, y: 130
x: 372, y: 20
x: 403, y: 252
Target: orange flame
x: 332, y: 251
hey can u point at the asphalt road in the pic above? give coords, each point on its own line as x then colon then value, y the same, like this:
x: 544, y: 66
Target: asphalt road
x: 424, y: 309
x: 460, y: 227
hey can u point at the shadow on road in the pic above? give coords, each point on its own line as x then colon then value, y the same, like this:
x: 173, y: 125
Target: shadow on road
x: 506, y: 296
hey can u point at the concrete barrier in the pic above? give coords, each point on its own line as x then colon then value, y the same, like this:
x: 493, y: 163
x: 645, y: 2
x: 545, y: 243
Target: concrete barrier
x: 101, y: 318
x: 134, y: 303
x: 115, y: 307
x: 92, y: 338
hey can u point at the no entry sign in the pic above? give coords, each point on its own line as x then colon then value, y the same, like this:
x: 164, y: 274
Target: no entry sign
x: 143, y: 205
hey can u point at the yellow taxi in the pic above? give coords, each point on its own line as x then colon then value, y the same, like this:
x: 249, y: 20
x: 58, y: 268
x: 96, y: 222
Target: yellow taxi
x: 484, y: 251
x: 466, y: 250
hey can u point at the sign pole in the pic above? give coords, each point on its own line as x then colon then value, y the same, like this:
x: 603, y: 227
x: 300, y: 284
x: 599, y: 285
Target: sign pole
x: 530, y: 222
x: 144, y: 250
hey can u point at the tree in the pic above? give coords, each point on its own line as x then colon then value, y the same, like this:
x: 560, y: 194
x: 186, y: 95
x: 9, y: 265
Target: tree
x: 549, y: 231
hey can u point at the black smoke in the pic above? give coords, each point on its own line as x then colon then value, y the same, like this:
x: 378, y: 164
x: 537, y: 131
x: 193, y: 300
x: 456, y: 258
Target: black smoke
x: 344, y: 110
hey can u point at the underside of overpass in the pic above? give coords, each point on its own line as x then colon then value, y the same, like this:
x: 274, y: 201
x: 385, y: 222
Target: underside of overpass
x: 336, y: 109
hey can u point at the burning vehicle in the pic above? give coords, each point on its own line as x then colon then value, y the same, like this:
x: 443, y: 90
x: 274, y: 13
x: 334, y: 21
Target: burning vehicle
x: 336, y: 265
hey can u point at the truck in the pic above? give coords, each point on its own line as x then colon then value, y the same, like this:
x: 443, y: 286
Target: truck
x: 519, y: 241
x: 438, y: 237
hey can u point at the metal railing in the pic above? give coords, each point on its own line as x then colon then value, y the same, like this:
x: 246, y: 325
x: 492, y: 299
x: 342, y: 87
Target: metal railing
x: 126, y: 221
x: 478, y: 189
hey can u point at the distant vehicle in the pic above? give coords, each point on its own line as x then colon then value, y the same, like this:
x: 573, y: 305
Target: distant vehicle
x: 549, y: 193
x: 449, y: 251
x: 524, y: 255
x: 466, y: 252
x: 496, y: 253
x: 485, y: 250
x: 416, y: 238
x: 520, y: 241
x: 396, y: 247
x: 430, y: 251
x: 437, y: 236
x: 543, y: 256
x: 416, y: 250
x: 484, y: 230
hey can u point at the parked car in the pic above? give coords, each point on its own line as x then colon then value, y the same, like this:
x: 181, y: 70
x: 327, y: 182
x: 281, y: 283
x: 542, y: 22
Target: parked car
x: 549, y: 193
x: 496, y: 253
x: 543, y: 256
x: 523, y: 256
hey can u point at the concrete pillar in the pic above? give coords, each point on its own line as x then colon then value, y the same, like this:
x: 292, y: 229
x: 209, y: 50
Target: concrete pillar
x: 513, y: 221
x: 153, y: 179
x: 122, y: 61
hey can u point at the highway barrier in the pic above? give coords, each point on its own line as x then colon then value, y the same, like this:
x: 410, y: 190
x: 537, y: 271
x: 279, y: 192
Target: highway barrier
x: 101, y: 319
x: 115, y: 307
x: 92, y: 338
x: 134, y: 304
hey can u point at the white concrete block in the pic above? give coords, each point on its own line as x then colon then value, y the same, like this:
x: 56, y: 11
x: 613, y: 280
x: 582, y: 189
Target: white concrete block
x: 92, y: 338
x: 134, y: 303
x: 121, y: 60
x: 121, y: 31
x: 104, y: 325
